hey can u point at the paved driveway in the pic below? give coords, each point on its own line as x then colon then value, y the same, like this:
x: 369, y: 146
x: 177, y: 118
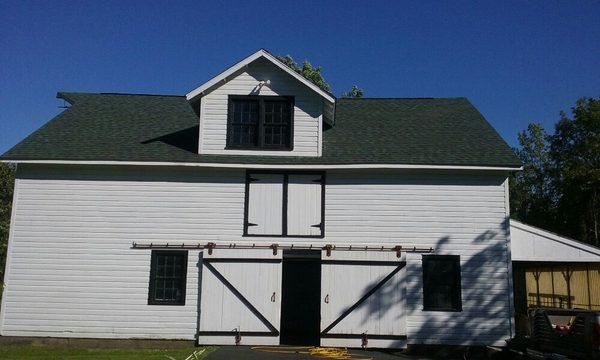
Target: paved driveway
x: 246, y: 352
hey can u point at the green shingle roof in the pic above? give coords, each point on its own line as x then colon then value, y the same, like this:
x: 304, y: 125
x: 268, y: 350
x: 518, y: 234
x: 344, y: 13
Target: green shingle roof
x: 157, y: 128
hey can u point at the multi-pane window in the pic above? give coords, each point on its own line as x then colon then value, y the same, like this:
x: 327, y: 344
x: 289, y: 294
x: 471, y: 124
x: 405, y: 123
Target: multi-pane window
x: 441, y: 283
x: 277, y: 124
x: 168, y: 272
x: 244, y: 122
x: 260, y: 122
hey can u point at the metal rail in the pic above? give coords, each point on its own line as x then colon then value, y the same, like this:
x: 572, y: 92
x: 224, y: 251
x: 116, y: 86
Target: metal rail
x: 210, y: 246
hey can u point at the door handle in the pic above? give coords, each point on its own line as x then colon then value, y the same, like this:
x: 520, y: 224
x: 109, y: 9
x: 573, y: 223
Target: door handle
x: 273, y: 297
x: 327, y: 299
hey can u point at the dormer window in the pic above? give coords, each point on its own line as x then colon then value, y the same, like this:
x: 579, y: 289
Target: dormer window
x: 260, y: 122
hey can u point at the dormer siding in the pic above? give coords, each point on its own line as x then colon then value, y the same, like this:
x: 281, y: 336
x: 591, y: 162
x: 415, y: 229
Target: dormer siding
x: 261, y: 78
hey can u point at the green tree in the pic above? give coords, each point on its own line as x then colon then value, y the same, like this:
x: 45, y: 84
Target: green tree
x: 7, y: 179
x: 531, y: 188
x: 307, y: 70
x: 559, y: 187
x: 354, y: 92
x: 313, y: 74
x: 575, y: 155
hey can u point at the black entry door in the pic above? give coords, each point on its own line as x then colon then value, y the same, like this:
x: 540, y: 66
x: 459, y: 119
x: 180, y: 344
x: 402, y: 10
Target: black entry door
x: 300, y: 299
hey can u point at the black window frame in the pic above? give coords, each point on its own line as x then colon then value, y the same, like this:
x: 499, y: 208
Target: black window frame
x: 153, y: 268
x: 456, y: 296
x: 284, y: 202
x: 260, y: 126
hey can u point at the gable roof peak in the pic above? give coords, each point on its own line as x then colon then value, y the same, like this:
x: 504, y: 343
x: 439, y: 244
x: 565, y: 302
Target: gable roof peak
x: 260, y: 53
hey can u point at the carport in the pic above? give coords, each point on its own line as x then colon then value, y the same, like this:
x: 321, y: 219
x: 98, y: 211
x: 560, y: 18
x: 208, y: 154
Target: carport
x: 552, y: 271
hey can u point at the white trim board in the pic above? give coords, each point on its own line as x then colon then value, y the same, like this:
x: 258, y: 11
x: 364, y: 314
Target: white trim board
x: 268, y: 166
x: 9, y: 252
x: 255, y: 56
x: 529, y: 243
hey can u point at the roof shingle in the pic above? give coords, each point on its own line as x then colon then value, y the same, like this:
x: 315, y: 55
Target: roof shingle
x: 159, y: 128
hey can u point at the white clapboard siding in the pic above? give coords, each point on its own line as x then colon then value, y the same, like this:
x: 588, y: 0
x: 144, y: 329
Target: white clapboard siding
x: 222, y: 310
x: 265, y: 199
x: 308, y: 110
x: 71, y: 269
x: 455, y: 214
x: 304, y: 205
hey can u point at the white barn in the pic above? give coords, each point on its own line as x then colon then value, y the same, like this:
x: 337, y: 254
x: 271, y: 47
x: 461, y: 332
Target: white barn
x: 260, y: 209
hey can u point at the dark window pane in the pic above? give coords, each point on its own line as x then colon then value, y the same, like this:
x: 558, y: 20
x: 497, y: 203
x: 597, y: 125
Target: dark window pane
x: 159, y: 293
x: 277, y: 124
x: 243, y: 123
x: 167, y: 278
x: 441, y: 283
x: 249, y: 127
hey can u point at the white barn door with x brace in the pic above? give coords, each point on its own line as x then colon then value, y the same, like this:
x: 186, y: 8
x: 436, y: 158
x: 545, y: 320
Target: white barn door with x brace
x: 363, y: 299
x: 240, y: 297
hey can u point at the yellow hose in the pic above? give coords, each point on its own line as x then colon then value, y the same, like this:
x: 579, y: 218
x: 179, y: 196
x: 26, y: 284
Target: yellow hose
x: 321, y: 352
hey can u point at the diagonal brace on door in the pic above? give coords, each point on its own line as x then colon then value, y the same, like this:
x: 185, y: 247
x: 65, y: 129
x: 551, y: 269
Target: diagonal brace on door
x: 218, y: 275
x: 362, y: 299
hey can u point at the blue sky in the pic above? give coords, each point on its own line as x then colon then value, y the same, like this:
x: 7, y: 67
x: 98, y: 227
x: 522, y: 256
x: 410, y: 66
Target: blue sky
x: 518, y: 62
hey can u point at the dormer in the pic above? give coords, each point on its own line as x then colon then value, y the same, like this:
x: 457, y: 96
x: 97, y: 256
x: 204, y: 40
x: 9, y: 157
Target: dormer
x: 260, y: 106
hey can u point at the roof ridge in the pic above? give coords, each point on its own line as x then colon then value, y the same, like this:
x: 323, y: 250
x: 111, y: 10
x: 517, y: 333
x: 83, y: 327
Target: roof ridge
x: 116, y: 93
x: 404, y: 98
x: 140, y: 94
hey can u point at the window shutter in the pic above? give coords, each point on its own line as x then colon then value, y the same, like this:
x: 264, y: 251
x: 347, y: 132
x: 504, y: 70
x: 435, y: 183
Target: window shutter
x: 265, y: 199
x: 304, y: 205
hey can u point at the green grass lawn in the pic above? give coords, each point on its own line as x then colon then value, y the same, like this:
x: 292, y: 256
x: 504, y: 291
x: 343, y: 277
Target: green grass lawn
x: 59, y: 353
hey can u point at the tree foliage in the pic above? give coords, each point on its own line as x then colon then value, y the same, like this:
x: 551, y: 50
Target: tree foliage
x: 575, y: 152
x: 7, y: 178
x: 313, y: 74
x: 530, y: 189
x: 354, y: 92
x: 559, y: 187
x: 307, y: 70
